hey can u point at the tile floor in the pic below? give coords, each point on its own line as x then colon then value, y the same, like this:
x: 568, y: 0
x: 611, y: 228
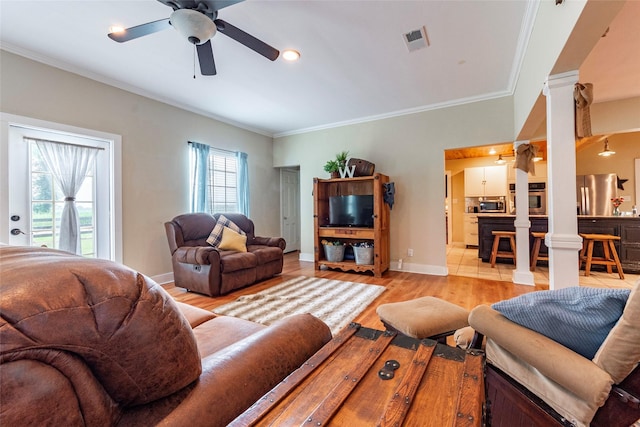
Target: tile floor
x: 463, y: 261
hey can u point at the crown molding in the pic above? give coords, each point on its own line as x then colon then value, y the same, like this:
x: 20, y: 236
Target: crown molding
x: 124, y: 86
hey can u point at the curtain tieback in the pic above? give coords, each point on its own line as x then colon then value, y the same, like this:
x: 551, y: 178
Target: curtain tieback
x: 69, y: 199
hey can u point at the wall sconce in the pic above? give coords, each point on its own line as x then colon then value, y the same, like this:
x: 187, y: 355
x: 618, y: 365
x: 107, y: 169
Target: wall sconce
x: 606, y: 152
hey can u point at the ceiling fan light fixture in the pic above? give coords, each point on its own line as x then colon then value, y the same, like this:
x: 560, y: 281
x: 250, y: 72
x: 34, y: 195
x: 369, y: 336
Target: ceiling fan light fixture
x: 290, y: 55
x: 606, y: 152
x: 196, y: 27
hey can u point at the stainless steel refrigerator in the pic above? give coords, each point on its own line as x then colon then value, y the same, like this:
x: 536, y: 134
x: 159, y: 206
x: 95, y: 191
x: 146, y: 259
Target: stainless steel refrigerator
x: 595, y: 193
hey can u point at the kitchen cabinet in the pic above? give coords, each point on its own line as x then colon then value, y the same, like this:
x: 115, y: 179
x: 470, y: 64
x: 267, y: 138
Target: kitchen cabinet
x: 630, y: 244
x: 378, y: 234
x: 541, y: 173
x: 470, y: 229
x: 485, y: 181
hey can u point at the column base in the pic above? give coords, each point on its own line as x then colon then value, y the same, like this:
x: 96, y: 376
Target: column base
x: 523, y: 278
x: 522, y: 275
x: 563, y: 260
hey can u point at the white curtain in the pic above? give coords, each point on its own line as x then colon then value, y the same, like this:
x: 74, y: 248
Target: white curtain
x: 69, y: 165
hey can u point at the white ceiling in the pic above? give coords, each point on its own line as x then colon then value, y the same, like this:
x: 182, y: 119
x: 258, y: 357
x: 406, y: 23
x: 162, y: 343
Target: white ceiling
x: 354, y: 63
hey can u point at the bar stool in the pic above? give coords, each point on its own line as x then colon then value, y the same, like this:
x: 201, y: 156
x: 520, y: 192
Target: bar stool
x: 497, y: 235
x: 535, y: 253
x: 610, y: 254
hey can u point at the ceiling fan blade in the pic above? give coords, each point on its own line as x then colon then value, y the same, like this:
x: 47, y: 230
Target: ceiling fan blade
x: 247, y: 39
x: 219, y: 4
x: 140, y: 30
x: 205, y: 57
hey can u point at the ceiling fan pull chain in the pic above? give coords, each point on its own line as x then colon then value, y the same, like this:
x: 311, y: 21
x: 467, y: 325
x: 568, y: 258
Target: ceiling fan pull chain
x: 194, y: 61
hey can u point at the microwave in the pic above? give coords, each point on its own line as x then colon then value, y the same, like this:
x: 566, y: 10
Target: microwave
x: 492, y: 205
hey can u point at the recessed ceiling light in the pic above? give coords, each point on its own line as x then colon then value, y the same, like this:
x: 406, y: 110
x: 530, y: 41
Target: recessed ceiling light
x: 291, y: 55
x: 492, y: 151
x: 116, y: 29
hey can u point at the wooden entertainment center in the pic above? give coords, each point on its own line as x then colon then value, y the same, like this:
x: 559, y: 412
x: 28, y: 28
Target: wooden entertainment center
x: 377, y: 234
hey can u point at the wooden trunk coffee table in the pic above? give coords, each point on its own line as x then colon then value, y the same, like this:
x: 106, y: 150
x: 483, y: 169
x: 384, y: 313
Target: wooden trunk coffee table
x: 343, y: 385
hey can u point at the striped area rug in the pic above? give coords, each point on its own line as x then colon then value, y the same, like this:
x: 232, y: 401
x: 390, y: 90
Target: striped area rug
x: 333, y: 301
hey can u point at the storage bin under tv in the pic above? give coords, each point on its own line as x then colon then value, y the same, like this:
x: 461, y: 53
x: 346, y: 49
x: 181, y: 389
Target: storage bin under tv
x: 377, y: 232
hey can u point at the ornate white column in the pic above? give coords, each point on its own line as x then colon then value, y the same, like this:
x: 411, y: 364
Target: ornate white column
x: 562, y: 237
x: 522, y: 274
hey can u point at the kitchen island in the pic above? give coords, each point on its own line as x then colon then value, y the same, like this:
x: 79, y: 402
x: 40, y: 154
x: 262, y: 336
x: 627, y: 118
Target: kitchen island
x: 626, y: 227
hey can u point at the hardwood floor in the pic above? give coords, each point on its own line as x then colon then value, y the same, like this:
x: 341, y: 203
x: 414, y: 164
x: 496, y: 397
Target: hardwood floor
x: 466, y: 292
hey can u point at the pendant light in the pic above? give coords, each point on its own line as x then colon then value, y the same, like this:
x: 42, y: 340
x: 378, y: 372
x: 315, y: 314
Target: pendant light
x: 606, y: 152
x: 500, y: 160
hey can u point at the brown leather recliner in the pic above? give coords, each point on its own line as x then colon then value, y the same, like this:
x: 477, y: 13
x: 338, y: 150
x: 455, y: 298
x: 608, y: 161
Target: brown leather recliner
x: 199, y: 267
x: 87, y: 342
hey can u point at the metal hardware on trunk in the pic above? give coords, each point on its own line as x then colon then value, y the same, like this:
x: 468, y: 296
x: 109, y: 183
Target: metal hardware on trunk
x: 626, y: 397
x: 368, y: 333
x: 387, y: 372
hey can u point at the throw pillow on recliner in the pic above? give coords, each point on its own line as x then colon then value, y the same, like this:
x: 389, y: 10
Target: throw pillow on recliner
x: 579, y: 318
x: 232, y: 241
x: 215, y: 237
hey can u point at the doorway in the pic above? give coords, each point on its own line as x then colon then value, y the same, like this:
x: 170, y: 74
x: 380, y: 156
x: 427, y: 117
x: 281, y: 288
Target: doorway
x: 447, y: 205
x: 32, y: 203
x: 290, y: 207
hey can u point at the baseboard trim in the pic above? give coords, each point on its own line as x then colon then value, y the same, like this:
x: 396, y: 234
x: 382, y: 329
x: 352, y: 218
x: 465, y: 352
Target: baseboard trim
x: 163, y: 279
x: 433, y: 270
x: 306, y: 257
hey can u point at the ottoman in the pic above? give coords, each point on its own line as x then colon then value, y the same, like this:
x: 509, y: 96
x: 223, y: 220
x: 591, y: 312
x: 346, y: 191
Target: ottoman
x: 425, y: 317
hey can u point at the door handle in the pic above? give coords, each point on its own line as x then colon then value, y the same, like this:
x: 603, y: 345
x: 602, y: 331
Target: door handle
x: 16, y: 232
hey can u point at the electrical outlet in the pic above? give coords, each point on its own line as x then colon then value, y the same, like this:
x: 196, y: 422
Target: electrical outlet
x: 409, y: 252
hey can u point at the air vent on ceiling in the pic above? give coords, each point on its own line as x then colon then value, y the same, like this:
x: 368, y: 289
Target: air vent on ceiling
x: 416, y: 39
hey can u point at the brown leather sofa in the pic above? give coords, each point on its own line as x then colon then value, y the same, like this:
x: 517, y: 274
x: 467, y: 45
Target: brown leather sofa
x: 199, y: 267
x: 87, y: 342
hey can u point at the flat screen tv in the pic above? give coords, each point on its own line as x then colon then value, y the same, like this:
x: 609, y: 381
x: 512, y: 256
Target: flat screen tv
x: 351, y: 211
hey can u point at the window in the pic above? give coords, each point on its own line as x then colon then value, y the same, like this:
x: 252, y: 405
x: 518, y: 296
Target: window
x: 219, y: 181
x: 223, y: 182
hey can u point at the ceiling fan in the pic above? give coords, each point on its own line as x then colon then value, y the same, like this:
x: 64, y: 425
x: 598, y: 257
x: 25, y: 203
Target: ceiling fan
x: 197, y: 21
